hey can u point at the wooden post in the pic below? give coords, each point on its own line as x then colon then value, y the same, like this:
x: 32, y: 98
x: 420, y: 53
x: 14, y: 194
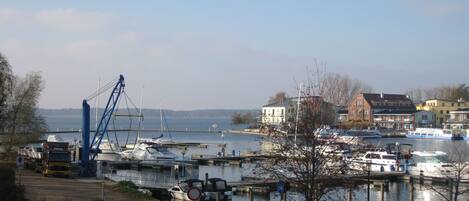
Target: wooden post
x: 350, y: 194
x: 382, y: 192
x: 450, y: 181
x: 217, y: 197
x: 411, y: 181
x: 251, y: 196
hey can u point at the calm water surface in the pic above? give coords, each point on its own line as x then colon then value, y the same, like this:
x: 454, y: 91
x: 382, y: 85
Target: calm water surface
x: 244, y: 143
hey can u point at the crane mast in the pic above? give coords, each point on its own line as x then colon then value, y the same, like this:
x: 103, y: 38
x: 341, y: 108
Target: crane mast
x: 101, y: 130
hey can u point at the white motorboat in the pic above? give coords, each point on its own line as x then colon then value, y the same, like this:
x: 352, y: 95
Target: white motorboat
x: 434, y: 164
x: 438, y: 133
x: 377, y: 161
x: 148, y: 151
x: 356, y: 136
x: 109, y: 151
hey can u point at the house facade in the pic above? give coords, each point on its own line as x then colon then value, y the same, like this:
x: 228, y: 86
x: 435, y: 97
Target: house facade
x: 442, y: 108
x: 285, y: 111
x: 274, y: 114
x: 393, y: 111
x: 459, y: 119
x: 425, y: 119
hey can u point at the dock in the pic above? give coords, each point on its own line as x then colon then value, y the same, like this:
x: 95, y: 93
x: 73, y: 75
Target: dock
x: 231, y: 159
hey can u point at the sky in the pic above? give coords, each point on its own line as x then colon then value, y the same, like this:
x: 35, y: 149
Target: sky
x: 231, y: 54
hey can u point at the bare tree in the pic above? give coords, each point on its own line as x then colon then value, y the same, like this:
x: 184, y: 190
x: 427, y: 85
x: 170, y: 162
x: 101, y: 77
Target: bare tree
x: 309, y: 163
x: 450, y: 92
x: 338, y: 89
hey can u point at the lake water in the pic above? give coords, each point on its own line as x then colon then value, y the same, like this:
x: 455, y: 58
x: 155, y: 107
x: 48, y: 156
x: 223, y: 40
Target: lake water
x: 244, y: 143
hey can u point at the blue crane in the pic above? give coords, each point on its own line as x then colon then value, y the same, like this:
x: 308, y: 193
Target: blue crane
x: 101, y: 130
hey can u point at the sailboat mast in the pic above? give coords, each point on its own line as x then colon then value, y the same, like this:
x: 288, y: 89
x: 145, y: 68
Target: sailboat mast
x: 298, y: 110
x: 140, y: 118
x: 161, y: 120
x: 97, y: 104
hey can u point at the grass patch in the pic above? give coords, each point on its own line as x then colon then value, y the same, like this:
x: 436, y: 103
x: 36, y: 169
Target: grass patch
x: 130, y: 188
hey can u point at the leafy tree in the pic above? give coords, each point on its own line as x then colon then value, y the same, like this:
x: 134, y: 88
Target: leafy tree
x: 247, y: 118
x: 6, y: 79
x: 278, y: 97
x: 21, y: 120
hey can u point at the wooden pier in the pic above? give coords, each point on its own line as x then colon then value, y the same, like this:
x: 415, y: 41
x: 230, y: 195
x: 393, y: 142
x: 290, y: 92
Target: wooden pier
x: 235, y: 160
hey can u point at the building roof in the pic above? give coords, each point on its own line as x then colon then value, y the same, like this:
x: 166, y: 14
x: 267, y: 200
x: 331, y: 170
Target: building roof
x: 383, y: 112
x: 385, y: 101
x: 461, y: 110
x: 289, y: 100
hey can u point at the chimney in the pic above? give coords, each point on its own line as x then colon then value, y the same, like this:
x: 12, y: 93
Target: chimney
x: 382, y: 95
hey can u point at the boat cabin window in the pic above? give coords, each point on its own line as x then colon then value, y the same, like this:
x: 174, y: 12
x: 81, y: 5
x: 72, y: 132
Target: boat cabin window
x: 368, y: 156
x: 175, y: 189
x: 375, y: 156
x: 390, y: 157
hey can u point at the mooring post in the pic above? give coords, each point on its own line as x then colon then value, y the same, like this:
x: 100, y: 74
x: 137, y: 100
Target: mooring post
x: 217, y: 197
x: 450, y: 181
x: 382, y: 192
x: 251, y: 196
x: 206, y: 179
x: 350, y: 194
x: 411, y: 181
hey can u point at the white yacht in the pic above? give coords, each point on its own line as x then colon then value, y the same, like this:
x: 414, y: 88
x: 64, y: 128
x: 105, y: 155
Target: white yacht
x: 434, y: 164
x: 438, y: 133
x: 148, y: 150
x: 354, y: 136
x: 109, y: 151
x: 377, y: 161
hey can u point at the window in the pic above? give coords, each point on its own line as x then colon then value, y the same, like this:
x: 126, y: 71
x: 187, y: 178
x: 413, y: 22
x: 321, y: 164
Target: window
x: 443, y: 104
x: 441, y: 111
x: 375, y: 156
x: 447, y: 111
x: 424, y: 117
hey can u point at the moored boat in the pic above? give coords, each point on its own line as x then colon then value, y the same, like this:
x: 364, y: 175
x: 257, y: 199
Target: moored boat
x: 438, y: 133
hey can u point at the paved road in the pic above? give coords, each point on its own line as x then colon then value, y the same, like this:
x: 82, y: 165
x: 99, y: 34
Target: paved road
x: 39, y: 188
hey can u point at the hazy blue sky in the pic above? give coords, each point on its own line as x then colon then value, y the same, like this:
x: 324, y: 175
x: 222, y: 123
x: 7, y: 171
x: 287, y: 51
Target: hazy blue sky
x: 231, y: 54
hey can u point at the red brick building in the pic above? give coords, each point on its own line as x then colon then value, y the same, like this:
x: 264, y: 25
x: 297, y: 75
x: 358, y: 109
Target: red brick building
x: 394, y: 111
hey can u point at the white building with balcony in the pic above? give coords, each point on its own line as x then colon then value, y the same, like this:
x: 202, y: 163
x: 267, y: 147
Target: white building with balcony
x: 459, y: 119
x: 274, y: 114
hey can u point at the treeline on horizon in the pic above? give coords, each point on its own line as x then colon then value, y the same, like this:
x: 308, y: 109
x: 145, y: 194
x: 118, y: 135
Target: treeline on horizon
x: 201, y: 113
x: 340, y: 89
x: 452, y: 92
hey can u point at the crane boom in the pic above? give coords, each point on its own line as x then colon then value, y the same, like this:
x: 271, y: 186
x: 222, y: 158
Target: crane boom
x: 102, y: 126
